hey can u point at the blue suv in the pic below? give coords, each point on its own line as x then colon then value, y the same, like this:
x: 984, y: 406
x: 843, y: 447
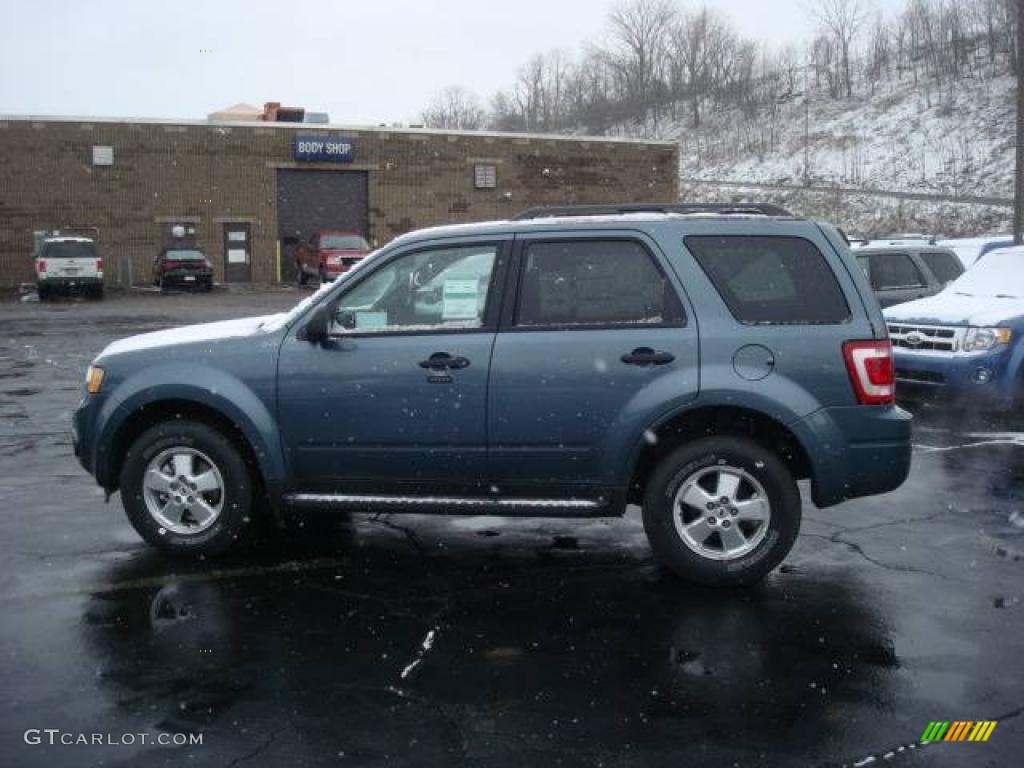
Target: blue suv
x: 695, y: 360
x: 963, y: 346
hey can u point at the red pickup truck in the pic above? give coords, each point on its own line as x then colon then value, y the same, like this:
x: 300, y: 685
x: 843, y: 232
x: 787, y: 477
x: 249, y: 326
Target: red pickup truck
x: 329, y: 253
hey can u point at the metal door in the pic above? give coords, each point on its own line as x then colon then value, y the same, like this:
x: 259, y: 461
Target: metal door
x: 237, y: 253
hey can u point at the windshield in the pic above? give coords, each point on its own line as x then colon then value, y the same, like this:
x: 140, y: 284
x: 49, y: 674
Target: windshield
x: 344, y: 242
x: 70, y: 250
x: 999, y: 275
x: 184, y: 255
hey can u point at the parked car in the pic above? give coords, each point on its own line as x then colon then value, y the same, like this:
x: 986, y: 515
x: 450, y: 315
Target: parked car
x: 182, y: 268
x: 562, y: 364
x: 905, y: 270
x: 970, y: 249
x: 963, y: 345
x: 329, y: 253
x: 66, y: 264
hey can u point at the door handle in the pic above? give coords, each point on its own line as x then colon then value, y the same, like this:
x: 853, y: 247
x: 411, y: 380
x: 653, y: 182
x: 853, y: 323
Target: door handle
x: 647, y: 356
x: 440, y: 361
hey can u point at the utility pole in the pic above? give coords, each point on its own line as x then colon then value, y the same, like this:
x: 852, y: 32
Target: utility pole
x: 1018, y: 190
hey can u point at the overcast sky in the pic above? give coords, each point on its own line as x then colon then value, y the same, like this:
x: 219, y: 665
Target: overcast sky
x: 364, y: 62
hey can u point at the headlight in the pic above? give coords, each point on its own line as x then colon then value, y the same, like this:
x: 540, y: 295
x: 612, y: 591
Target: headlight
x: 93, y: 379
x: 981, y: 339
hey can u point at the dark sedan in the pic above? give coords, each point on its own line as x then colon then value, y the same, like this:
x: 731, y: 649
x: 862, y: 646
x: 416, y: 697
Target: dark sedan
x: 182, y: 268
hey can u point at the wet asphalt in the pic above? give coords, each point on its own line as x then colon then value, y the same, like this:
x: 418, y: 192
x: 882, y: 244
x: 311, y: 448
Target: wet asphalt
x: 408, y: 640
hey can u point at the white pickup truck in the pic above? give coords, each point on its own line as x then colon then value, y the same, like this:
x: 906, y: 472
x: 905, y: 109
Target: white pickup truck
x: 68, y: 264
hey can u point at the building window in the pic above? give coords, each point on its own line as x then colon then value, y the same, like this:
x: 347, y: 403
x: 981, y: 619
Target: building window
x: 485, y: 176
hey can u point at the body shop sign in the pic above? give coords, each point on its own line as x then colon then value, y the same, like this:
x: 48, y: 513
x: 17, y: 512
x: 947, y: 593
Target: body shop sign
x: 320, y: 147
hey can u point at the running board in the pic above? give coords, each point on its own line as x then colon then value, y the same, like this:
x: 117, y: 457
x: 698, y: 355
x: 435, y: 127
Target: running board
x: 453, y: 505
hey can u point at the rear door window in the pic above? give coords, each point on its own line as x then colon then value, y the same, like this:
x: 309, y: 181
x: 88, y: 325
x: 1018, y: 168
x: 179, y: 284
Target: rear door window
x: 894, y: 270
x: 762, y: 279
x: 945, y: 266
x: 583, y: 283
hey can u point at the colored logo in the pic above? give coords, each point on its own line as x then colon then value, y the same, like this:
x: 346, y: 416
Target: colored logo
x: 958, y: 730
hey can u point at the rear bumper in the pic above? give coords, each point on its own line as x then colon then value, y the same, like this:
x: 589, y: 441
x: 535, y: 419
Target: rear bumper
x: 70, y: 282
x: 856, y: 451
x: 187, y: 279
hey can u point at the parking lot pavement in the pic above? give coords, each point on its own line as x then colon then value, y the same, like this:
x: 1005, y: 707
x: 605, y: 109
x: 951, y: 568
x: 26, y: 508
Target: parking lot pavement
x: 420, y: 641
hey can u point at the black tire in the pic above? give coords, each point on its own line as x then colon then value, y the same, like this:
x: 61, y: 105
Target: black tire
x: 96, y: 293
x: 322, y: 275
x: 42, y: 292
x: 234, y: 518
x: 689, y: 462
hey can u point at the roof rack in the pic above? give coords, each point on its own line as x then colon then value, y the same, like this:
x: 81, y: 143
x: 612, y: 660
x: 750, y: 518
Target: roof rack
x: 757, y: 209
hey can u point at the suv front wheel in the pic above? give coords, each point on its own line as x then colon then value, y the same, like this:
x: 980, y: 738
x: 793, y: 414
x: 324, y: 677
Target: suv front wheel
x: 721, y: 511
x: 186, y: 488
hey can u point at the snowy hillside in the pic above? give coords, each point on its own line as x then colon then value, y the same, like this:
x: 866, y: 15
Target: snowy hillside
x: 907, y: 138
x: 827, y: 157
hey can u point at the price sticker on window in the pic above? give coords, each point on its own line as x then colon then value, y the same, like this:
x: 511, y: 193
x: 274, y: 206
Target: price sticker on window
x: 460, y: 299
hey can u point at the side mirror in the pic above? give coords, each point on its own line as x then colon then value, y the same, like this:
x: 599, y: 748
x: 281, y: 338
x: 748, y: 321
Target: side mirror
x: 317, y: 327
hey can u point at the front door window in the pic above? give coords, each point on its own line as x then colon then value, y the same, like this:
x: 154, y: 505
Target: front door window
x: 434, y: 290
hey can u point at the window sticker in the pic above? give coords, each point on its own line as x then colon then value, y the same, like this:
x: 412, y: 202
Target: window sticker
x: 370, y: 320
x: 460, y: 299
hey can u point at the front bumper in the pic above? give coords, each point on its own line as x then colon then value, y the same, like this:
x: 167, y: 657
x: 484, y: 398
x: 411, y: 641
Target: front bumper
x: 855, y: 451
x: 977, y: 380
x: 81, y: 432
x: 334, y: 271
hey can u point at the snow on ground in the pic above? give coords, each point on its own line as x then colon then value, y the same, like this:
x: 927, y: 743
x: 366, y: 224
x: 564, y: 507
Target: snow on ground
x: 956, y: 141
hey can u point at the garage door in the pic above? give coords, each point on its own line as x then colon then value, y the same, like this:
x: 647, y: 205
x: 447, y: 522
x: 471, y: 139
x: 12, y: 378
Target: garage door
x: 312, y: 200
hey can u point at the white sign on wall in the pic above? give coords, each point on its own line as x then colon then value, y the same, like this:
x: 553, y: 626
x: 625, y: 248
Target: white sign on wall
x: 237, y: 256
x: 102, y: 154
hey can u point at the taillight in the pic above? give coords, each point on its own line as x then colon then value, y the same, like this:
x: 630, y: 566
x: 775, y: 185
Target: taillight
x: 99, y: 265
x: 207, y: 264
x: 41, y: 265
x: 870, y: 366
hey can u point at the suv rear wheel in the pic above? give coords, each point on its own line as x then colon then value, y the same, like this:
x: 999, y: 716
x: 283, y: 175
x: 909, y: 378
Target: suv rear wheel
x: 186, y: 488
x: 721, y: 511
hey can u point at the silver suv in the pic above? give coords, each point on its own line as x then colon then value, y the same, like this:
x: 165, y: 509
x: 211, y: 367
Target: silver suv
x: 904, y: 270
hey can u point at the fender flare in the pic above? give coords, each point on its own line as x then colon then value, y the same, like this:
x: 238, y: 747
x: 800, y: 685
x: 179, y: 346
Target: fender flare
x: 761, y: 406
x: 209, y: 388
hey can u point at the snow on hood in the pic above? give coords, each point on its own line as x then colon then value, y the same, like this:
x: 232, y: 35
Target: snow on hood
x: 949, y: 308
x: 988, y: 293
x: 226, y: 329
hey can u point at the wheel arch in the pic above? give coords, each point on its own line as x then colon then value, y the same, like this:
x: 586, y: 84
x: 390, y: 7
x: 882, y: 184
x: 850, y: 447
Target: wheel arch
x: 708, y: 421
x: 262, y: 458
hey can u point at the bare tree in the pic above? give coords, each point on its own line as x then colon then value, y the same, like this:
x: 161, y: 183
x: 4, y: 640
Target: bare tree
x: 700, y: 45
x: 639, y: 34
x: 454, y: 108
x: 842, y: 20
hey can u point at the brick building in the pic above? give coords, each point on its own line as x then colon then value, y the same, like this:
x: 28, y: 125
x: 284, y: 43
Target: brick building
x: 259, y: 187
